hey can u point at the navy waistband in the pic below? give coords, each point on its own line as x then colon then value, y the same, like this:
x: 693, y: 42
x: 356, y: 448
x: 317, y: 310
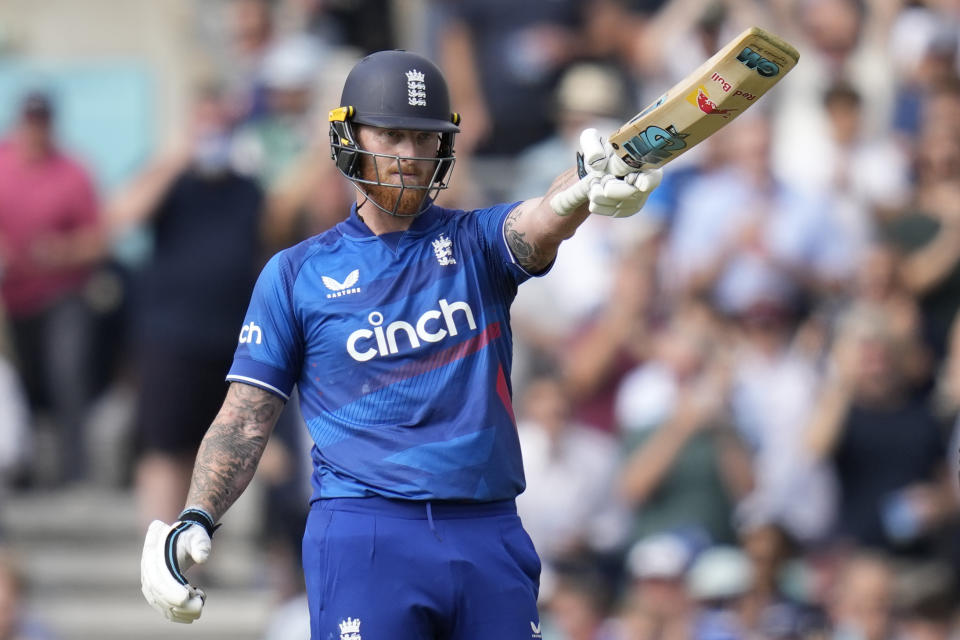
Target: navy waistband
x: 417, y: 509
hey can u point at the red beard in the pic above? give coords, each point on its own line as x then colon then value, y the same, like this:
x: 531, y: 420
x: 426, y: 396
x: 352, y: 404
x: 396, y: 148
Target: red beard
x: 410, y: 198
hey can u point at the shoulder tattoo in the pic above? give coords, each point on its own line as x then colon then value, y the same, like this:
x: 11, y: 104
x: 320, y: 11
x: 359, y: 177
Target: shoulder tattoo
x: 528, y: 254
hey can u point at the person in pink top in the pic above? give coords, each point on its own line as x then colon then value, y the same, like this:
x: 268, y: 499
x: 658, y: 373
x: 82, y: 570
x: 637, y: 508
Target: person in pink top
x: 50, y: 241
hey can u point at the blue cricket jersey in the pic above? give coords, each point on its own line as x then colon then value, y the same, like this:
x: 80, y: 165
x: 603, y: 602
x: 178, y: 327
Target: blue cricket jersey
x: 401, y: 349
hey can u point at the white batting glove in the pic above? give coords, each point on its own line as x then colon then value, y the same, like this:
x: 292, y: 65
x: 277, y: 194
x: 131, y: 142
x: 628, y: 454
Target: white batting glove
x: 622, y: 197
x: 168, y: 551
x: 612, y: 187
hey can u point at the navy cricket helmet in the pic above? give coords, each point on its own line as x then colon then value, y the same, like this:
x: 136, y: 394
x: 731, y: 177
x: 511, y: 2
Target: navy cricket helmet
x: 394, y: 90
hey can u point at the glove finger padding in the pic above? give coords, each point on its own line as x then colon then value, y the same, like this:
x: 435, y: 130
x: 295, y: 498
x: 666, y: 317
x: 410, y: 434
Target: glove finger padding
x: 621, y: 198
x: 594, y: 149
x: 616, y: 165
x: 167, y: 550
x: 645, y: 180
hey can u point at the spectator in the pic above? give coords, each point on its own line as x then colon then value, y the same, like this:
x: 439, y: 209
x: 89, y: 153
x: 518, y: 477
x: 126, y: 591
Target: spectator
x: 657, y: 604
x: 588, y: 94
x: 942, y: 107
x: 866, y: 412
x: 367, y: 26
x: 767, y: 610
x: 271, y: 142
x: 923, y: 47
x: 719, y: 581
x: 862, y: 602
x: 927, y: 602
x: 774, y: 388
x: 236, y: 35
x: 950, y: 398
x: 286, y: 149
x: 928, y: 234
x: 843, y: 41
x: 741, y: 235
x: 50, y: 241
x: 877, y: 283
x: 860, y: 174
x: 568, y: 508
x: 618, y: 338
x: 657, y: 42
x: 577, y: 607
x: 190, y: 298
x: 507, y: 58
x: 686, y: 467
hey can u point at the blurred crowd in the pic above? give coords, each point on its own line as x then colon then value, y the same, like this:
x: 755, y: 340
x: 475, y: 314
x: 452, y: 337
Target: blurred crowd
x: 738, y: 409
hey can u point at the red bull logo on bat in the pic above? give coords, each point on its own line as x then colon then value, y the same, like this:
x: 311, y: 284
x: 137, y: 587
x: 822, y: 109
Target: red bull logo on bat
x: 701, y: 99
x: 726, y: 86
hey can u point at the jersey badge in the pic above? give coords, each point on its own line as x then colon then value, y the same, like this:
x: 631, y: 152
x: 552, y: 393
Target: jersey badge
x: 443, y: 248
x: 350, y: 629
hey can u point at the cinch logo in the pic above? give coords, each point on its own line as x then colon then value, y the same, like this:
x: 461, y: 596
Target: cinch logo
x: 432, y: 326
x: 247, y: 333
x: 754, y: 60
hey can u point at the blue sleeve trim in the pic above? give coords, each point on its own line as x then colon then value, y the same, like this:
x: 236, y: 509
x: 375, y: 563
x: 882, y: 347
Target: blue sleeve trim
x: 262, y: 375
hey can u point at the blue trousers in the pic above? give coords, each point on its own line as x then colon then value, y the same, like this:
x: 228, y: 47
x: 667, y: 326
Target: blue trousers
x: 378, y: 568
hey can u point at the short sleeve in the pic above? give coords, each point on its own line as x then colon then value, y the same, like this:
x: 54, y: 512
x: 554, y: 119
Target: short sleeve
x: 269, y: 353
x: 490, y: 227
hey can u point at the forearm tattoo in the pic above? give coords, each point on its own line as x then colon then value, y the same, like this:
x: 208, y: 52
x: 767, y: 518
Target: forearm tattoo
x: 529, y: 255
x: 232, y: 447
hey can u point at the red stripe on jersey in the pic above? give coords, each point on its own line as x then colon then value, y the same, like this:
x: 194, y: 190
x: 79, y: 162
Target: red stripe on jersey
x: 504, y: 392
x: 456, y: 352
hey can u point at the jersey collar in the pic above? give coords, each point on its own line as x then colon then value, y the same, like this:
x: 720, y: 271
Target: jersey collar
x: 354, y: 226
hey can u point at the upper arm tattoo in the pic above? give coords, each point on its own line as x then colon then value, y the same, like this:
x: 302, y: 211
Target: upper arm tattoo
x: 529, y: 254
x: 232, y: 447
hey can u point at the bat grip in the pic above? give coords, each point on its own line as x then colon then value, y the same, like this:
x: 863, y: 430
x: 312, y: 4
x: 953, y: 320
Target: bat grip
x: 571, y: 198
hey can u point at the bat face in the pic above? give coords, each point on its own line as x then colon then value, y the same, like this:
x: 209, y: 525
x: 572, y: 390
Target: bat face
x: 695, y: 108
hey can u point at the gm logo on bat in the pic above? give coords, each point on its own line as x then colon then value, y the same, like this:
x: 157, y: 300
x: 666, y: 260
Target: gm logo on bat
x: 753, y: 60
x: 653, y: 144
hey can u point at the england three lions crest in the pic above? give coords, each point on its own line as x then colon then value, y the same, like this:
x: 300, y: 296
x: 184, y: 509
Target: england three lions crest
x: 350, y: 629
x: 443, y: 248
x: 416, y: 88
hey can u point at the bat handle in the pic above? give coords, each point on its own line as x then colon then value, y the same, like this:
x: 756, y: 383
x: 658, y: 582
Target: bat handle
x: 571, y: 198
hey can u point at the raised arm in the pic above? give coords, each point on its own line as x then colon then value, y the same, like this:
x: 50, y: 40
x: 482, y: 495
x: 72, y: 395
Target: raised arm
x: 232, y: 447
x: 536, y: 227
x: 137, y: 201
x: 534, y: 231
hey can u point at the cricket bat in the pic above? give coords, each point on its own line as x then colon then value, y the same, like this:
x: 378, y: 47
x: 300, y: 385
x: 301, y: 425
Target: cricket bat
x: 698, y: 106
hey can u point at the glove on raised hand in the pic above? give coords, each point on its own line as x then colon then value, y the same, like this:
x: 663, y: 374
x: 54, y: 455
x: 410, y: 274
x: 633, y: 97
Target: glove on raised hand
x: 168, y: 551
x: 612, y: 187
